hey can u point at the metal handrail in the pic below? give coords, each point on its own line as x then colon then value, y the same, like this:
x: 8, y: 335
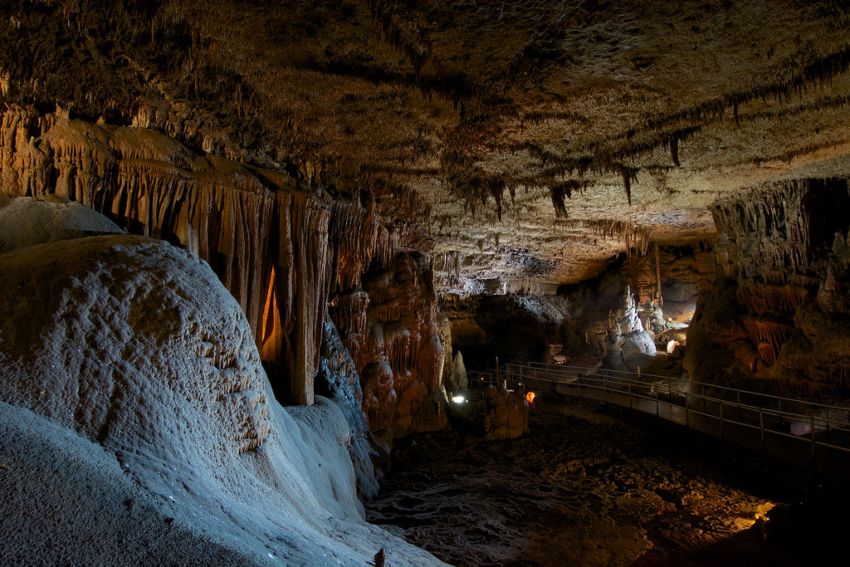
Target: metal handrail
x: 671, y: 390
x: 761, y: 409
x: 626, y: 384
x: 588, y: 371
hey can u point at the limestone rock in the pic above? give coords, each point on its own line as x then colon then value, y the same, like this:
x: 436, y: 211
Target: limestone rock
x: 507, y: 414
x: 339, y: 380
x: 404, y: 342
x: 459, y: 379
x: 25, y: 221
x: 629, y: 345
x: 125, y: 360
x: 777, y: 306
x: 108, y: 314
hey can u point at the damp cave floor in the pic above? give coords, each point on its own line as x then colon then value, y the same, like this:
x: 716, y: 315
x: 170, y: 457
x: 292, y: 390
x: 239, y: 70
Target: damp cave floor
x: 598, y: 485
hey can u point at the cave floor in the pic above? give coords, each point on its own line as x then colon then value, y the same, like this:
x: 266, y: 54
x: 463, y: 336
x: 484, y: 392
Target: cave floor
x: 589, y: 485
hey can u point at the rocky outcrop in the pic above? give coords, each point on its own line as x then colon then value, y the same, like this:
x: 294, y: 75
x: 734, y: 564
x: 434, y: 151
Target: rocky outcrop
x: 126, y: 366
x: 391, y: 327
x: 507, y: 414
x: 779, y: 304
x: 457, y: 378
x: 279, y: 249
x: 630, y: 346
x: 679, y: 272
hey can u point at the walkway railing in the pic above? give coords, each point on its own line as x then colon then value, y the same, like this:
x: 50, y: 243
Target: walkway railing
x: 798, y: 430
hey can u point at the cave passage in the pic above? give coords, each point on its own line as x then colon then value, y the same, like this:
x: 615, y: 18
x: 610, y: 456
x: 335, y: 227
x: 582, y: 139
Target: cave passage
x: 595, y: 485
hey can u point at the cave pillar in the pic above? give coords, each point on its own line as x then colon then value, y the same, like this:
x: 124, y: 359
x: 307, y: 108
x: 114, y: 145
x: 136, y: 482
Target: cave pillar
x: 312, y: 284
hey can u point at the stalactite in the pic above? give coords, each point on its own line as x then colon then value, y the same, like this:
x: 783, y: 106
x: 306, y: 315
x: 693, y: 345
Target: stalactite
x: 674, y: 150
x: 764, y: 299
x: 558, y: 194
x: 402, y: 33
x: 355, y: 233
x: 768, y: 335
x: 777, y: 221
x: 784, y: 245
x: 266, y: 240
x: 641, y: 276
x: 628, y: 174
x: 564, y: 190
x: 636, y: 238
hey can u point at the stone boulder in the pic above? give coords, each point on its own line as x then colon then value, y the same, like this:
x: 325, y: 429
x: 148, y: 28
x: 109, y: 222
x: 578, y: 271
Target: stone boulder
x: 506, y: 414
x: 25, y: 221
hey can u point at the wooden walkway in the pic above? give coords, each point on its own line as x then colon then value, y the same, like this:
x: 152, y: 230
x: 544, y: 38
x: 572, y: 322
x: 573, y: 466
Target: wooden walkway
x: 805, y: 433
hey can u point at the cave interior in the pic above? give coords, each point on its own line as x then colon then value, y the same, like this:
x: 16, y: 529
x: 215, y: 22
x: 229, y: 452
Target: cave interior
x: 544, y: 282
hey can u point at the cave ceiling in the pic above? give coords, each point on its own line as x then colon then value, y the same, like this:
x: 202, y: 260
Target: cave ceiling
x: 524, y: 140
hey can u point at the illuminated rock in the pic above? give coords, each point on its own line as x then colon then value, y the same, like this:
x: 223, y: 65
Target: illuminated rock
x: 125, y: 362
x: 629, y: 345
x: 506, y: 414
x: 25, y: 221
x: 777, y: 306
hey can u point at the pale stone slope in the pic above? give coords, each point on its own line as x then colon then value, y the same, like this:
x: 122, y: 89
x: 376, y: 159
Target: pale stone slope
x: 135, y: 345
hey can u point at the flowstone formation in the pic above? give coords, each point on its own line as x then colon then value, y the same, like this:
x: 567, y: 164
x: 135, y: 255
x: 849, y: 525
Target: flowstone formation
x: 339, y: 379
x: 390, y: 326
x: 125, y: 365
x: 26, y: 221
x: 778, y: 306
x: 280, y: 248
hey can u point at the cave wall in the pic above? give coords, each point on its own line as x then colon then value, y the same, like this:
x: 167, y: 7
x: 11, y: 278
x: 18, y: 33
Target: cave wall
x: 574, y: 325
x: 279, y: 248
x: 778, y: 304
x: 680, y: 271
x: 514, y: 327
x: 391, y: 324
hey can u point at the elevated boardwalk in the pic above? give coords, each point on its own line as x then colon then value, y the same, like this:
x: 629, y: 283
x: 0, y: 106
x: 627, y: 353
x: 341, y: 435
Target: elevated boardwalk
x: 805, y: 433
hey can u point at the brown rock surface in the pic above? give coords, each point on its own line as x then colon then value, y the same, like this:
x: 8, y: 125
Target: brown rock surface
x: 778, y: 305
x: 630, y: 118
x: 506, y: 414
x: 392, y: 328
x: 278, y: 248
